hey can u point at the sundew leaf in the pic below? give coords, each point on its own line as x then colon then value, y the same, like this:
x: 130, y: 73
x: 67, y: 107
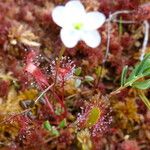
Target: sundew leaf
x: 142, y: 85
x: 93, y: 117
x: 124, y: 75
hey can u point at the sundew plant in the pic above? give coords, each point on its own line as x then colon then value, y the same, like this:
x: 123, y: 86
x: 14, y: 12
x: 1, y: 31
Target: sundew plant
x: 75, y: 75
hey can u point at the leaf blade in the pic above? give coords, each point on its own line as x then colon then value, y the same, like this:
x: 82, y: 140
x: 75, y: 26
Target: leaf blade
x: 143, y: 85
x: 124, y: 75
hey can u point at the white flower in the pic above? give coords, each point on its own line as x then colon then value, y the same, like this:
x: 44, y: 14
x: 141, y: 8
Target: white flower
x: 77, y: 24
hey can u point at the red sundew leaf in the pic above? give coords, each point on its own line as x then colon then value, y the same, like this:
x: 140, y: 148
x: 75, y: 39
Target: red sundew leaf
x: 37, y: 74
x: 31, y: 68
x: 41, y: 79
x: 34, y: 70
x: 31, y: 56
x: 21, y: 121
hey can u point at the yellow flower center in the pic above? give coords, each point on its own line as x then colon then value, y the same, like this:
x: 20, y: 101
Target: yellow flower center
x: 78, y: 26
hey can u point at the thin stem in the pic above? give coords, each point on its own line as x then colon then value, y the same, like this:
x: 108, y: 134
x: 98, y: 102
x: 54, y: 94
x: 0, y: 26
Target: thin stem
x: 145, y: 42
x: 126, y: 85
x: 48, y: 88
x: 15, y: 114
x: 61, y: 53
x: 107, y: 47
x: 114, y: 15
x: 47, y: 100
x: 58, y: 61
x: 117, y: 91
x: 63, y: 98
x: 124, y: 21
x: 108, y: 39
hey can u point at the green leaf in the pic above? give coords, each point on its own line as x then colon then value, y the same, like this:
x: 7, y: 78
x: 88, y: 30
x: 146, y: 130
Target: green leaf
x: 143, y: 65
x: 89, y: 79
x: 98, y: 71
x: 132, y: 75
x: 124, y: 75
x: 55, y: 131
x: 146, y: 72
x: 77, y: 83
x: 144, y: 98
x: 120, y: 26
x: 58, y: 111
x: 50, y: 128
x: 142, y: 85
x: 78, y: 71
x: 63, y: 123
x: 140, y: 69
x: 47, y: 125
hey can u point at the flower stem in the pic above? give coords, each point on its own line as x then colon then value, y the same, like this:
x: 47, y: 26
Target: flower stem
x: 48, y: 88
x: 63, y: 98
x: 117, y: 91
x: 62, y: 51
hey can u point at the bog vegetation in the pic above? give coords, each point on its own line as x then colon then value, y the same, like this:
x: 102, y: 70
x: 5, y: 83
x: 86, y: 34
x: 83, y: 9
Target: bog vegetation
x: 74, y: 75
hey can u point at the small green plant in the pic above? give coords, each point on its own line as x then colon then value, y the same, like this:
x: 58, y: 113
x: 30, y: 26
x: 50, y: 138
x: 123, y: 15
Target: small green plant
x: 138, y: 78
x: 50, y: 128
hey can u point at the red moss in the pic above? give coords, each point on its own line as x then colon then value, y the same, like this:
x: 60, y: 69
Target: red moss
x: 142, y: 12
x: 4, y: 88
x: 129, y: 145
x: 66, y: 139
x: 108, y: 6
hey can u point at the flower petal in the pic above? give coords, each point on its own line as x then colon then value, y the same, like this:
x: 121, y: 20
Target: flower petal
x: 74, y: 6
x: 91, y: 38
x: 74, y: 11
x: 58, y: 15
x: 94, y: 20
x: 69, y: 37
